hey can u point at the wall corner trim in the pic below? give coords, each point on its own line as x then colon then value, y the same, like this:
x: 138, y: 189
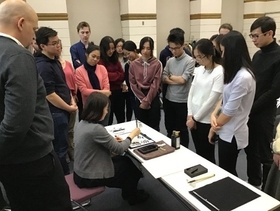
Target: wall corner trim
x: 52, y: 16
x: 205, y: 16
x: 138, y: 16
x: 253, y: 15
x: 247, y: 1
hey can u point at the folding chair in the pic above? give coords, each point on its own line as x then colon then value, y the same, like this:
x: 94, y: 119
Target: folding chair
x: 80, y: 195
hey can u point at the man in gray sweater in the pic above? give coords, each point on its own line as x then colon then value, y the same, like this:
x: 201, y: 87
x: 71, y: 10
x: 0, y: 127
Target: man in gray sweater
x: 29, y: 169
x: 178, y: 75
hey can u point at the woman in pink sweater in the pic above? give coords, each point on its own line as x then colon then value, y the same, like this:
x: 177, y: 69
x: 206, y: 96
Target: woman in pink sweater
x: 92, y: 77
x: 145, y: 81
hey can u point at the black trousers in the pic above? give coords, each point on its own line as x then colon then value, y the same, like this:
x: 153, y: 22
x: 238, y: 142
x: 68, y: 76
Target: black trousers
x: 201, y: 143
x: 117, y: 106
x: 37, y: 185
x: 258, y: 151
x: 128, y: 106
x: 126, y: 177
x: 175, y: 119
x: 79, y: 104
x: 150, y: 117
x: 228, y: 154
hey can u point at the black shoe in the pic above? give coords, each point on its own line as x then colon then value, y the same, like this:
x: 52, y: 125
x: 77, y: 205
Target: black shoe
x: 126, y: 196
x: 140, y: 197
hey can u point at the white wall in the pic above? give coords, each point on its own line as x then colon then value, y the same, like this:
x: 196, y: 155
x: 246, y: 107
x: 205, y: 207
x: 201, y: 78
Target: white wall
x: 103, y: 17
x: 170, y: 16
x: 61, y: 26
x: 204, y: 28
x: 135, y: 30
x: 232, y: 12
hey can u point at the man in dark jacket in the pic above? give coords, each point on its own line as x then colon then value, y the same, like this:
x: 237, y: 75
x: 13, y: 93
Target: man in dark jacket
x: 59, y: 97
x: 29, y: 169
x: 266, y: 67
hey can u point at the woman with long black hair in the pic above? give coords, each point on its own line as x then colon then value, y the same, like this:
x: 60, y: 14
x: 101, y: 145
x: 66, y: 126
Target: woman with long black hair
x: 238, y: 96
x: 131, y: 53
x: 109, y: 58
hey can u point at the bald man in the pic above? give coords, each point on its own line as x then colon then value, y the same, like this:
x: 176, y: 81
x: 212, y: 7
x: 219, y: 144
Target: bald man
x: 29, y: 169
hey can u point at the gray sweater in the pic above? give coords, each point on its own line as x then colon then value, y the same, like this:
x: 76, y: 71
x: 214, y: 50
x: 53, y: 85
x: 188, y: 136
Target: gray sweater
x: 93, y: 147
x: 26, y: 129
x: 181, y: 66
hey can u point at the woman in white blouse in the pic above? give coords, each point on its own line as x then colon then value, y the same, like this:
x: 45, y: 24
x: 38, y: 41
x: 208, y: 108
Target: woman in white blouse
x: 204, y: 94
x: 238, y: 96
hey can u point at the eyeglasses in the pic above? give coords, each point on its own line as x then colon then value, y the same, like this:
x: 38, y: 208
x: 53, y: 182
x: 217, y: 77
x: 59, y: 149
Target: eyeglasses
x: 256, y: 36
x: 174, y: 49
x: 199, y: 57
x: 55, y: 43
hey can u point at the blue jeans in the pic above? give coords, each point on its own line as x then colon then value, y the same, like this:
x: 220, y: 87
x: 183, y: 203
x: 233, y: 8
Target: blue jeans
x: 60, y: 142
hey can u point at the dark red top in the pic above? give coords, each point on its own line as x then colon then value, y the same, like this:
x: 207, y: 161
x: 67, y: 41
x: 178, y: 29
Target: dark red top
x: 115, y: 75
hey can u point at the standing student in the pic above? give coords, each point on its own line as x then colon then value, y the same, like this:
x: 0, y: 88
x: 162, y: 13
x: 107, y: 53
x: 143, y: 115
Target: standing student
x: 225, y: 28
x: 109, y: 58
x: 204, y: 94
x: 131, y: 52
x: 238, y: 96
x: 266, y: 64
x: 145, y: 80
x: 178, y: 75
x: 78, y: 54
x: 59, y: 97
x: 92, y: 77
x: 119, y: 50
x: 217, y: 43
x: 164, y: 56
x: 34, y: 49
x: 94, y: 164
x: 29, y: 169
x: 70, y: 81
x: 78, y: 49
x: 213, y: 37
x: 123, y: 60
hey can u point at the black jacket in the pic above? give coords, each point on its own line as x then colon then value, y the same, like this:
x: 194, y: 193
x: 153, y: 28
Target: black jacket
x: 54, y: 79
